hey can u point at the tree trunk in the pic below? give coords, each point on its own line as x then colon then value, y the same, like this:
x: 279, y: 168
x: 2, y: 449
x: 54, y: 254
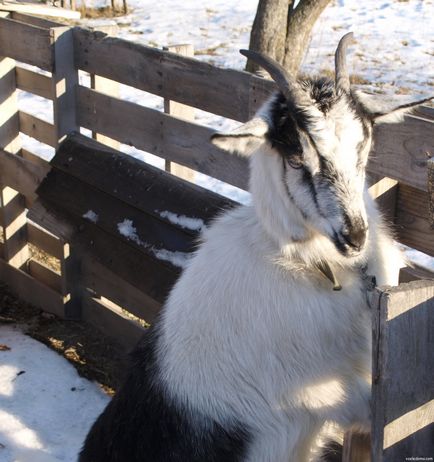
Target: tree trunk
x: 299, y: 27
x: 268, y: 34
x: 282, y: 31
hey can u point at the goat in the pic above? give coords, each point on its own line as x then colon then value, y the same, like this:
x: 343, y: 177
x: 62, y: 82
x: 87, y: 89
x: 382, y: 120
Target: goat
x: 265, y: 337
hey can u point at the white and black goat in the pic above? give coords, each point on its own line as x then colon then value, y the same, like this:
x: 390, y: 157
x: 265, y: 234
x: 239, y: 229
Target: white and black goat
x: 254, y: 351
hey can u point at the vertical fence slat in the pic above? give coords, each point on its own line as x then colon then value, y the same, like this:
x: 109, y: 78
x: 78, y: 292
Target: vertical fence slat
x: 107, y: 86
x: 183, y: 112
x: 64, y: 82
x: 403, y: 376
x: 64, y: 86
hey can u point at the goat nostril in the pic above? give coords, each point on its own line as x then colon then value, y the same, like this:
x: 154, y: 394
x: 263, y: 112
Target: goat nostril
x: 355, y: 238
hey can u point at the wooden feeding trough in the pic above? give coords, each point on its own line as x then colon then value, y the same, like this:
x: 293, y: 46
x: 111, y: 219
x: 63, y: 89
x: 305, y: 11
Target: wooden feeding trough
x: 108, y: 218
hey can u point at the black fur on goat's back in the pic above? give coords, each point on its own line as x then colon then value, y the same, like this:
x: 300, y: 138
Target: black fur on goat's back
x: 141, y: 424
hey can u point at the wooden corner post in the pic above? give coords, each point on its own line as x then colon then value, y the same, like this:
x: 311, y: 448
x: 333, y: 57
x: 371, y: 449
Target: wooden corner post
x: 430, y: 187
x: 181, y: 111
x: 64, y: 88
x: 13, y: 222
x: 403, y: 373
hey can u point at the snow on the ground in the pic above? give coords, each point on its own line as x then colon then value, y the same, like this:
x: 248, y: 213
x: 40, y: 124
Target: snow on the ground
x: 46, y: 409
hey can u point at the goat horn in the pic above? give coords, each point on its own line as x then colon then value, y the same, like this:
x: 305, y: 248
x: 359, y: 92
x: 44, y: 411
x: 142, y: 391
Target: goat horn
x: 341, y: 71
x: 285, y: 82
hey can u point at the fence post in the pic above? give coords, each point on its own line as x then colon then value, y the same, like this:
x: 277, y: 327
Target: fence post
x: 13, y: 221
x: 64, y: 85
x: 403, y: 376
x: 181, y: 111
x: 430, y: 183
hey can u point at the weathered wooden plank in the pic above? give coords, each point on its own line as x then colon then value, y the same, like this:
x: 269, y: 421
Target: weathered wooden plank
x: 137, y: 183
x: 107, y: 86
x: 33, y: 82
x: 45, y: 275
x: 401, y: 151
x: 34, y: 158
x: 426, y: 112
x: 106, y: 284
x: 44, y: 240
x: 412, y: 225
x: 52, y: 222
x: 149, y: 275
x: 37, y: 128
x: 42, y: 10
x: 430, y: 186
x: 414, y: 273
x: 226, y: 92
x: 64, y: 82
x: 26, y: 43
x: 31, y: 290
x: 182, y: 112
x: 34, y: 20
x: 147, y: 235
x: 403, y: 395
x: 111, y: 322
x: 21, y: 174
x: 163, y: 135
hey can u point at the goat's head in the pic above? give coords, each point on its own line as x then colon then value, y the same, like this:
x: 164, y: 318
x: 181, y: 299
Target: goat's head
x: 310, y: 144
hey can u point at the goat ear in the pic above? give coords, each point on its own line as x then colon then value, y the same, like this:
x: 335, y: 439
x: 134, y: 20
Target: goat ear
x: 245, y: 139
x: 384, y: 109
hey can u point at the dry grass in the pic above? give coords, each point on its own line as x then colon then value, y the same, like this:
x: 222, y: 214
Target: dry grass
x: 94, y: 355
x: 211, y: 51
x: 101, y: 12
x: 43, y: 257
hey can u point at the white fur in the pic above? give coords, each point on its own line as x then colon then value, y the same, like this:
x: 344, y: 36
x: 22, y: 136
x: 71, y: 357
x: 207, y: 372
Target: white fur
x: 252, y: 332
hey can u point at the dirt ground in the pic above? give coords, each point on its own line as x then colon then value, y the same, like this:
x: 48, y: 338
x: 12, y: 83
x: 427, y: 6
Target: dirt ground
x: 95, y: 356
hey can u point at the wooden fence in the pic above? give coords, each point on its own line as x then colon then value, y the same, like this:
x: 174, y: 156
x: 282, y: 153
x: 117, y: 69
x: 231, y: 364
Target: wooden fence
x: 109, y: 280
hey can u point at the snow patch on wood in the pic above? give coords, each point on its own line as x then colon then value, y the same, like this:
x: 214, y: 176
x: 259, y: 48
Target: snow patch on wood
x: 91, y: 216
x: 193, y: 224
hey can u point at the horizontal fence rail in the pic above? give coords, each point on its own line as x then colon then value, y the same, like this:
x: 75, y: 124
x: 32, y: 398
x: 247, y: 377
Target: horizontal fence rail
x: 401, y: 151
x: 37, y: 128
x: 33, y: 82
x: 161, y: 134
x: 26, y: 43
x: 226, y: 92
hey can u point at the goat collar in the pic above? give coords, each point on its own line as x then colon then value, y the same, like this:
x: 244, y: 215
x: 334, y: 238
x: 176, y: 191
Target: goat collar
x: 326, y: 271
x: 369, y: 281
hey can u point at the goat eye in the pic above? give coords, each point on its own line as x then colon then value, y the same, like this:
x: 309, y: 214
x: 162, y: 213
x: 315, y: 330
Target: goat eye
x: 295, y: 160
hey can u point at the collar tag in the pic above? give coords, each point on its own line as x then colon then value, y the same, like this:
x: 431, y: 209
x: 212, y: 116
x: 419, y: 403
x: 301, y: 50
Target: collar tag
x: 326, y: 271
